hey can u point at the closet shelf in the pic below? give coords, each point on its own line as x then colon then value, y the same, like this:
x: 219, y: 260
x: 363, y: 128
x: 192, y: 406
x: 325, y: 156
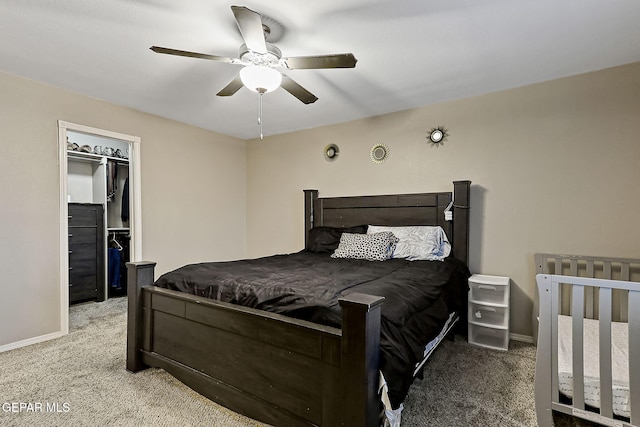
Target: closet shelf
x: 91, y: 157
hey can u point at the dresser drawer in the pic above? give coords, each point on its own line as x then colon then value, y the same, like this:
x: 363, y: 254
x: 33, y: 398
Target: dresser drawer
x: 83, y: 279
x: 83, y: 284
x: 79, y: 293
x: 88, y: 268
x: 82, y: 235
x: 488, y: 315
x: 83, y: 254
x: 84, y: 215
x: 483, y: 336
x: 489, y: 289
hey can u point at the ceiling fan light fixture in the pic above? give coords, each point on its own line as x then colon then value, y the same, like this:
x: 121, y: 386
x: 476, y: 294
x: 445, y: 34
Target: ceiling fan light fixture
x: 260, y: 78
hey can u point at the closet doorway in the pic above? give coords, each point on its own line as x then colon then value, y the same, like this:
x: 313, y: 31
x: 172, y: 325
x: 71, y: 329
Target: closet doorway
x: 99, y: 211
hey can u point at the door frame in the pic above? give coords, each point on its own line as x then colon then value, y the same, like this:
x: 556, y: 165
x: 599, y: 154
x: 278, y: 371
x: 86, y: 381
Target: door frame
x: 135, y: 207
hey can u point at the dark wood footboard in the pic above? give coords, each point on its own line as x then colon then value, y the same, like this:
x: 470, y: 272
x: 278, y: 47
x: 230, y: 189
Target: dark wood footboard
x: 269, y: 367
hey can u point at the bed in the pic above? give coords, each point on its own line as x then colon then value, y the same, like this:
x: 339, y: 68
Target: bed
x: 276, y: 366
x: 588, y: 339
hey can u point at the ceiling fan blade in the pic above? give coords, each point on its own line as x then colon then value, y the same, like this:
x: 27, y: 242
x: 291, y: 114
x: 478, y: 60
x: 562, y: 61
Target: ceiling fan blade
x: 176, y: 52
x: 298, y: 91
x: 231, y: 88
x: 250, y: 25
x: 340, y: 60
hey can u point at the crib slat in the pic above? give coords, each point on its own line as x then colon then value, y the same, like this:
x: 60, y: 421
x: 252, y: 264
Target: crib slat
x: 577, y: 339
x: 606, y: 270
x: 556, y: 293
x: 589, y: 305
x: 588, y: 292
x: 590, y: 269
x: 542, y: 263
x: 606, y: 375
x: 566, y: 290
x: 573, y: 267
x: 625, y: 274
x: 634, y: 356
x: 591, y: 272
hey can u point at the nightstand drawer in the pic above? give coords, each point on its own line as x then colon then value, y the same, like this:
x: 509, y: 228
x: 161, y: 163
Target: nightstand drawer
x: 488, y: 315
x: 484, y: 336
x: 489, y: 289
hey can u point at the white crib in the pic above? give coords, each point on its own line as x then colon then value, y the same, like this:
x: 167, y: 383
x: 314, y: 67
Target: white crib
x: 580, y: 320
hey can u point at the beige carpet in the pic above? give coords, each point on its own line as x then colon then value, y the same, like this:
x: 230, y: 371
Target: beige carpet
x: 85, y: 370
x: 83, y: 380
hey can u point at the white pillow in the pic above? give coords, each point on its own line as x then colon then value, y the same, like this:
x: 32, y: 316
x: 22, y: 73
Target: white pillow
x: 372, y: 247
x: 418, y: 242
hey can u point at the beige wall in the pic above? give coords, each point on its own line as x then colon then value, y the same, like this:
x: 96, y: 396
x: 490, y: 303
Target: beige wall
x: 554, y: 169
x: 553, y: 165
x: 193, y: 203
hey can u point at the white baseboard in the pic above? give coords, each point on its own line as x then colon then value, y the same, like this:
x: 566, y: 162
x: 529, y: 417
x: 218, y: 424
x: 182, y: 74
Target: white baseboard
x: 522, y: 338
x: 34, y: 340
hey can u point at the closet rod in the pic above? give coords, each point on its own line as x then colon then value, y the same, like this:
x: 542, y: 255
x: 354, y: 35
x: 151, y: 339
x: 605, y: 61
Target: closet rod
x: 118, y: 230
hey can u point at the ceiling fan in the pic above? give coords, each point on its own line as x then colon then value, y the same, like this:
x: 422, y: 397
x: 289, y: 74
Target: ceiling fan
x: 263, y: 61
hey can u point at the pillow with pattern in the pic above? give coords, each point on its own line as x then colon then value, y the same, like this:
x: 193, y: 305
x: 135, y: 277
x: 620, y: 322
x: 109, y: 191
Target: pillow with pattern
x: 418, y: 242
x: 372, y: 247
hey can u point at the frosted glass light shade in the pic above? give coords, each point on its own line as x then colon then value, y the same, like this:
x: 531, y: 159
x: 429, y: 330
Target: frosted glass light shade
x: 260, y: 78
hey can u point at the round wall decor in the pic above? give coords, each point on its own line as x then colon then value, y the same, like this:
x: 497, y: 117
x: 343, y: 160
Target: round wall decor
x: 331, y: 152
x: 437, y: 135
x: 379, y: 153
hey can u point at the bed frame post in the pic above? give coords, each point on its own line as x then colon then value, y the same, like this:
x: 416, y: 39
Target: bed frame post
x: 139, y: 274
x: 310, y: 199
x: 461, y: 205
x: 360, y: 358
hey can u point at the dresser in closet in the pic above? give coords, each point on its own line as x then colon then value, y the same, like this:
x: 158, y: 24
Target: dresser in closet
x: 99, y: 232
x: 86, y: 252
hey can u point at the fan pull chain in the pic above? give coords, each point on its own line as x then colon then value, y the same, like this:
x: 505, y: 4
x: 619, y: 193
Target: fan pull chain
x: 260, y: 113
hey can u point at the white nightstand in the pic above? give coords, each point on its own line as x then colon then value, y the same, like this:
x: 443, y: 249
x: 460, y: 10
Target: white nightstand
x: 488, y: 312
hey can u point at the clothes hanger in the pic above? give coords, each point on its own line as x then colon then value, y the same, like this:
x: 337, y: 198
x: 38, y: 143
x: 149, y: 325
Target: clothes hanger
x: 113, y: 240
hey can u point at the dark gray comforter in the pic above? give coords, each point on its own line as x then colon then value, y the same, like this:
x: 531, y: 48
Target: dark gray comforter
x: 419, y: 295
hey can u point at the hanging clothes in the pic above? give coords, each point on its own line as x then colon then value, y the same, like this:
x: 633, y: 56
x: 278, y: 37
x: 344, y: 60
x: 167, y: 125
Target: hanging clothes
x: 124, y: 215
x: 118, y: 255
x: 114, y: 261
x: 112, y: 179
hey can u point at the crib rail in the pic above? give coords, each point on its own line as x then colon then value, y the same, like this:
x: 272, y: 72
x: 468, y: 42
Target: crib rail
x: 552, y: 289
x: 588, y: 266
x: 626, y: 269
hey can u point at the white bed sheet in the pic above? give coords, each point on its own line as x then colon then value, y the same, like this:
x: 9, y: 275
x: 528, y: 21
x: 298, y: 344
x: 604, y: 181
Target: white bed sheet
x: 620, y: 363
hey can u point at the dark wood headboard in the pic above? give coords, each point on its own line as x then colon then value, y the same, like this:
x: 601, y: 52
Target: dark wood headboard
x: 395, y: 210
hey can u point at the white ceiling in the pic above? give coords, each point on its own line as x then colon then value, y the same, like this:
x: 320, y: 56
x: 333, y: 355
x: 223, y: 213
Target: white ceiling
x: 410, y: 52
